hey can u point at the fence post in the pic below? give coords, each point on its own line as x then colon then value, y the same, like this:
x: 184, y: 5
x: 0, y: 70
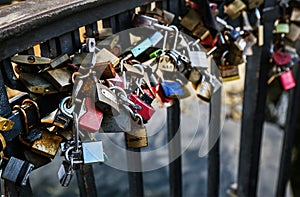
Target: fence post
x: 213, y: 178
x: 254, y: 109
x: 173, y: 123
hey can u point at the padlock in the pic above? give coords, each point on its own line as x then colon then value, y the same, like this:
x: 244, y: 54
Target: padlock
x: 65, y: 174
x: 17, y: 171
x: 229, y: 73
x: 201, y: 32
x: 234, y: 56
x: 116, y: 81
x: 92, y: 152
x: 106, y: 100
x: 105, y: 70
x: 198, y: 58
x: 294, y: 32
x: 2, y: 143
x: 191, y: 20
x: 36, y: 84
x: 137, y: 137
x: 146, y: 112
x: 92, y: 118
x: 90, y: 45
x: 195, y: 77
x: 63, y: 115
x: 281, y: 58
x: 172, y: 89
x: 282, y: 23
x: 204, y: 90
x: 141, y: 47
x: 47, y: 145
x: 60, y: 78
x: 234, y: 9
x: 165, y: 63
x: 295, y: 15
x: 105, y: 55
x: 287, y: 80
x: 6, y: 124
x: 260, y: 28
x: 156, y: 38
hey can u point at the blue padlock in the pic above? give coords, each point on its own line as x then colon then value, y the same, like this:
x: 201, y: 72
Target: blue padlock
x: 172, y: 89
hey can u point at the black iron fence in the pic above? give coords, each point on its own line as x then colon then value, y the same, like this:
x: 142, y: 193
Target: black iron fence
x: 55, y: 28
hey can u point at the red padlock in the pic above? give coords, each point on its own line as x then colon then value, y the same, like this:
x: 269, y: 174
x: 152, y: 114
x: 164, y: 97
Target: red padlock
x: 281, y: 58
x: 287, y: 80
x: 92, y: 119
x: 147, y: 111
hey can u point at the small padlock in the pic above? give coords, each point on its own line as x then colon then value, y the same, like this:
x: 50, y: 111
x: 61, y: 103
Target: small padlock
x: 92, y: 118
x: 287, y: 80
x: 65, y: 174
x: 294, y: 32
x: 281, y: 58
x: 106, y: 100
x: 137, y: 137
x: 204, y: 89
x: 200, y: 32
x: 63, y: 115
x: 92, y: 152
x: 172, y: 89
x: 146, y: 112
x: 141, y: 47
x: 165, y: 63
x: 17, y: 171
x: 229, y: 73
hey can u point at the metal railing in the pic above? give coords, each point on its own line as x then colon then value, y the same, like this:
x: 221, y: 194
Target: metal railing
x: 56, y: 29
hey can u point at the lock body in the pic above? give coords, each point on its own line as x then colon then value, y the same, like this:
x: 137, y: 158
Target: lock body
x: 287, y: 80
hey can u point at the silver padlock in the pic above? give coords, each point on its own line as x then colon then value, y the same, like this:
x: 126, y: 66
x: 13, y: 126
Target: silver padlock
x: 65, y: 173
x: 92, y: 152
x: 17, y: 171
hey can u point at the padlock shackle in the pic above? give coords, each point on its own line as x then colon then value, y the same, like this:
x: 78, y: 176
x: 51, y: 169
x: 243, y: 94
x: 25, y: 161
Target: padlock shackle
x: 25, y: 101
x: 22, y: 111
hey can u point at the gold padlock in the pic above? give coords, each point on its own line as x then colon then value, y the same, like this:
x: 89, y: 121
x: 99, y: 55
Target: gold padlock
x: 234, y: 9
x: 6, y: 124
x: 137, y: 137
x: 204, y: 90
x: 47, y: 145
x: 229, y: 73
x: 200, y: 31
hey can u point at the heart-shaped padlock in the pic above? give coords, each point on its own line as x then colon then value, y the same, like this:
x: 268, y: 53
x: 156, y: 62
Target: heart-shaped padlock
x: 281, y: 58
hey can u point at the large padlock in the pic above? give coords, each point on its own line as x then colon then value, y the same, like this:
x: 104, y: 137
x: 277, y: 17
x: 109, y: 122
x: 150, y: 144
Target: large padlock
x: 17, y: 171
x: 287, y: 80
x: 91, y: 118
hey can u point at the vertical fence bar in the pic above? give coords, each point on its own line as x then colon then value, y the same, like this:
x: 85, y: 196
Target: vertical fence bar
x: 254, y: 110
x: 213, y: 178
x: 135, y: 177
x: 288, y: 140
x: 175, y: 174
x: 86, y: 181
x: 91, y: 29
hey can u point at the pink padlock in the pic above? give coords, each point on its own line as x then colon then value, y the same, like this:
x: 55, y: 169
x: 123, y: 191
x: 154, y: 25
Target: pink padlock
x: 287, y: 80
